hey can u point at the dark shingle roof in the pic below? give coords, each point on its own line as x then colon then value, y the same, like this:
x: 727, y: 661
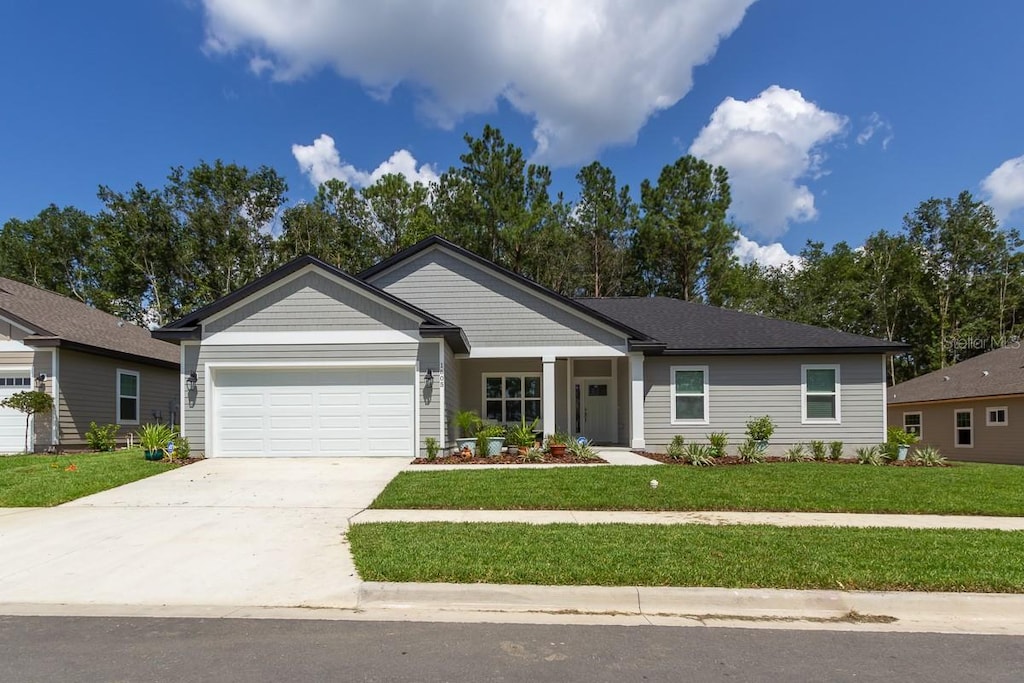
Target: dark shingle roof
x: 996, y: 373
x: 687, y: 327
x: 54, y: 317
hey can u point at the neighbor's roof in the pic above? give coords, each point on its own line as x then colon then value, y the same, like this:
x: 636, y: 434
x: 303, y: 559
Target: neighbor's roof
x: 57, y: 320
x: 996, y: 373
x: 694, y: 329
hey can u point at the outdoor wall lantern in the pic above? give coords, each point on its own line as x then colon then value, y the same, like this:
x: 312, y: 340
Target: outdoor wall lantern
x: 190, y: 382
x: 428, y: 379
x: 41, y: 382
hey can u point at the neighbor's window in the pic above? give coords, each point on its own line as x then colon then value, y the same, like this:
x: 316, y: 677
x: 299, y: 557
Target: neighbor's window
x: 689, y: 394
x: 15, y: 381
x: 912, y: 424
x: 127, y: 397
x: 995, y: 417
x: 821, y: 393
x: 512, y: 398
x: 964, y: 428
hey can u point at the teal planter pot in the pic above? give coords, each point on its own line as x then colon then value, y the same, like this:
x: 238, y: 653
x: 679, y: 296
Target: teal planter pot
x: 154, y: 455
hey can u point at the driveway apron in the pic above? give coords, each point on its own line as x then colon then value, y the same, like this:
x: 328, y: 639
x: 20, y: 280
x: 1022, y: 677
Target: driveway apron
x: 238, y: 531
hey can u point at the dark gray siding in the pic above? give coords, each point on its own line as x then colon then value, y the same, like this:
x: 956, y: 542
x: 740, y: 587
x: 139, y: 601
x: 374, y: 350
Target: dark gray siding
x: 451, y: 394
x: 428, y: 357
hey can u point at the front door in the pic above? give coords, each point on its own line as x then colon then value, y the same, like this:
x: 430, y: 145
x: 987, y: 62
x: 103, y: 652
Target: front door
x: 597, y: 422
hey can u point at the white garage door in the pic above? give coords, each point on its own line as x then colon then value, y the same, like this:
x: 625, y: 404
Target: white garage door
x: 12, y: 423
x: 322, y: 412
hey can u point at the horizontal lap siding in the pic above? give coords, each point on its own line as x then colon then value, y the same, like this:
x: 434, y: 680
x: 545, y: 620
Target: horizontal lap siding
x: 451, y: 394
x: 743, y: 387
x: 88, y: 393
x: 196, y: 358
x: 312, y: 302
x: 429, y: 399
x: 991, y: 444
x: 491, y: 311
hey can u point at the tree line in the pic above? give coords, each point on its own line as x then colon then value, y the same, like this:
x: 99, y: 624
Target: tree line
x: 948, y: 282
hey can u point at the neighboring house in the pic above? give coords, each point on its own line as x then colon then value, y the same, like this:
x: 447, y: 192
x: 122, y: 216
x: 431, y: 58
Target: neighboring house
x: 98, y: 367
x: 309, y: 360
x: 973, y: 410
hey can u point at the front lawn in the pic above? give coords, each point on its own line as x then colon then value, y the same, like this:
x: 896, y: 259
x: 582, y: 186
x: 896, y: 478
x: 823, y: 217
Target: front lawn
x: 46, y: 480
x: 968, y: 489
x: 692, y: 555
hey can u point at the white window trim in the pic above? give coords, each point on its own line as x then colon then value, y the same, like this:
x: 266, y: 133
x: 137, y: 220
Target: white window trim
x: 119, y: 396
x: 956, y: 429
x: 838, y: 419
x: 672, y: 395
x: 988, y: 416
x: 522, y: 377
x: 920, y: 422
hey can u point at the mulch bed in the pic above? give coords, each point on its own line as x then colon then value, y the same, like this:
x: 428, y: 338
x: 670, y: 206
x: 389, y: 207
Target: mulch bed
x: 735, y: 460
x: 505, y: 459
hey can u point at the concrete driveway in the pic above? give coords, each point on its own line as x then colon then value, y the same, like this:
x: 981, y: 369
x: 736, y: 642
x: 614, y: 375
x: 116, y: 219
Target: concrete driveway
x: 245, y: 532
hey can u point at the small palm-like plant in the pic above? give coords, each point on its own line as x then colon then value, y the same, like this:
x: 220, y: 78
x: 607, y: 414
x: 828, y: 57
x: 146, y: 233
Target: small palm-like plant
x: 750, y: 452
x: 699, y: 455
x: 795, y: 453
x: 929, y: 456
x: 869, y: 455
x: 818, y: 451
x: 676, y: 448
x: 835, y: 450
x: 581, y: 449
x: 719, y: 442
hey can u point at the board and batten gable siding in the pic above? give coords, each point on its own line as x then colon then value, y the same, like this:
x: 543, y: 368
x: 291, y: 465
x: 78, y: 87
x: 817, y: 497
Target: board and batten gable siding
x: 88, y: 393
x: 992, y: 443
x: 491, y: 310
x: 743, y: 387
x: 197, y: 356
x: 310, y: 302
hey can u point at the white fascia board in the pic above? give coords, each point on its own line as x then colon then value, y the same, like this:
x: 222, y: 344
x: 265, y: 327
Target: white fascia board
x: 298, y: 364
x: 545, y: 352
x: 295, y: 276
x: 298, y: 338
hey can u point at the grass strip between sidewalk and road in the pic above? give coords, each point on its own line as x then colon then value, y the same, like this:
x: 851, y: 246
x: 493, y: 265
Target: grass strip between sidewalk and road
x: 47, y: 480
x: 691, y: 555
x: 964, y: 489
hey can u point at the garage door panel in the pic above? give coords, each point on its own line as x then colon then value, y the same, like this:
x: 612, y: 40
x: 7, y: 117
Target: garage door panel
x: 322, y: 412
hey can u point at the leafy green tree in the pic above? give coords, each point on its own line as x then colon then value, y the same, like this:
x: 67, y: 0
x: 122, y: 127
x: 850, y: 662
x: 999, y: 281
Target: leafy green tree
x: 603, y: 218
x: 30, y: 403
x: 50, y: 251
x: 684, y: 242
x: 336, y: 227
x: 398, y: 212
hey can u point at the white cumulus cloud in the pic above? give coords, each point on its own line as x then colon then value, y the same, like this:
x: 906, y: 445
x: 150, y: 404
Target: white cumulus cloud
x: 321, y: 161
x: 1004, y: 188
x: 876, y: 125
x: 588, y: 72
x: 774, y: 254
x: 769, y: 145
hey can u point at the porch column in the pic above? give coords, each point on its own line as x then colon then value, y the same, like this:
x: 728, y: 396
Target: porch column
x: 548, y: 384
x: 636, y: 400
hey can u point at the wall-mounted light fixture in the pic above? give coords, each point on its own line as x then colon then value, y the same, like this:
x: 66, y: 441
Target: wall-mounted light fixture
x: 191, y: 381
x: 41, y: 382
x: 428, y: 379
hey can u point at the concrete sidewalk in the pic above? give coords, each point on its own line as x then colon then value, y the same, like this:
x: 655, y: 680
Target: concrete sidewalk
x: 836, y: 519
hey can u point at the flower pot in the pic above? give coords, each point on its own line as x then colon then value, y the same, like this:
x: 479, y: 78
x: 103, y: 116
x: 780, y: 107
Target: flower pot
x: 901, y: 453
x: 494, y: 445
x: 154, y: 455
x: 557, y: 450
x: 762, y: 444
x: 466, y: 443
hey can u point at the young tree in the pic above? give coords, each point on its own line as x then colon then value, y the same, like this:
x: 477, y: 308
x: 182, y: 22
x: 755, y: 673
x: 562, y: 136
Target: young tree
x: 30, y: 403
x: 336, y: 227
x: 601, y: 223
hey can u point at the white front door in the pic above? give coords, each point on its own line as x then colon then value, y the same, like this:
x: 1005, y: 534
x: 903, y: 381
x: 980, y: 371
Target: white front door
x: 597, y: 420
x: 12, y: 423
x: 322, y: 412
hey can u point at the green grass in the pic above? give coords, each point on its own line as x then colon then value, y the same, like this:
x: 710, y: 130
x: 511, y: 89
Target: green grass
x: 692, y: 555
x: 968, y: 489
x: 44, y: 480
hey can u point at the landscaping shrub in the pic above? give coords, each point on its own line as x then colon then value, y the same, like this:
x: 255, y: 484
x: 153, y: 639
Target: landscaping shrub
x: 760, y: 428
x: 581, y: 448
x: 818, y: 450
x: 719, y: 442
x: 929, y: 456
x: 700, y: 455
x: 750, y: 452
x: 676, y: 448
x: 432, y: 448
x: 101, y: 439
x: 869, y: 455
x: 835, y: 450
x: 182, y: 448
x: 795, y: 453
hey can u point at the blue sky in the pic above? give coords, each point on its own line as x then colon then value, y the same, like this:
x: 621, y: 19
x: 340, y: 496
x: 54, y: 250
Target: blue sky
x: 118, y: 92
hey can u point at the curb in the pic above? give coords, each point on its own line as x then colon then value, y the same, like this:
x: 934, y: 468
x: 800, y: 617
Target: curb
x: 962, y: 610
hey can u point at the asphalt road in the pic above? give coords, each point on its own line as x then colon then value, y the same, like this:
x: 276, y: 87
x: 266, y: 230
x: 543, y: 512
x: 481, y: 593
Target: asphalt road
x: 222, y: 650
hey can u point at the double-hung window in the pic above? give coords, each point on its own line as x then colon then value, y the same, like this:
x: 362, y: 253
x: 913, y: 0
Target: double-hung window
x: 127, y: 397
x: 821, y: 394
x: 512, y: 398
x: 689, y: 386
x: 963, y: 428
x: 912, y: 424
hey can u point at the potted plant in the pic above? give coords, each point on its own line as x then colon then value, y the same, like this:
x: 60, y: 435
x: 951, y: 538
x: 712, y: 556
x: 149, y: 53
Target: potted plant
x: 556, y: 444
x: 521, y: 435
x: 469, y: 423
x: 154, y: 439
x: 760, y: 429
x: 901, y: 441
x: 489, y: 440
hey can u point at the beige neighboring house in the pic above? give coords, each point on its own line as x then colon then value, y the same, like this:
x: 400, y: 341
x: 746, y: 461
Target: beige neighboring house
x: 98, y: 367
x: 973, y: 410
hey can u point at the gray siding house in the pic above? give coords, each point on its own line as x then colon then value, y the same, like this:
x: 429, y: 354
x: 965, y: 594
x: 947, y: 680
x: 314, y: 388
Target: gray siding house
x: 309, y: 360
x: 96, y: 366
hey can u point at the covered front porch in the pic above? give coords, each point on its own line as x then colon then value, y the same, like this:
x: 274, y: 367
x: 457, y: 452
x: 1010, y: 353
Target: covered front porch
x: 600, y: 398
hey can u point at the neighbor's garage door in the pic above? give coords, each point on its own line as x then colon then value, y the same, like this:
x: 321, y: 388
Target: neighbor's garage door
x: 12, y: 423
x: 323, y: 412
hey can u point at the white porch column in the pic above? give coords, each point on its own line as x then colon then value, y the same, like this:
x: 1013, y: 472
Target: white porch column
x: 548, y: 402
x: 636, y: 400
